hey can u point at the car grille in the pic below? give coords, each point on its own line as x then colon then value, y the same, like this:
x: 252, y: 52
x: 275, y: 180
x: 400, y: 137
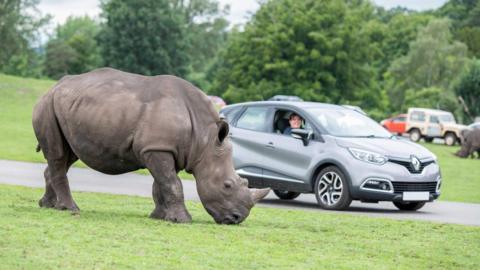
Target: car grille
x: 409, y: 166
x: 399, y: 187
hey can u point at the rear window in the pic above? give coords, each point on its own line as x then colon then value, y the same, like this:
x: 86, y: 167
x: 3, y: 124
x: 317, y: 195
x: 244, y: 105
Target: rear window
x: 417, y: 116
x: 254, y: 118
x: 434, y: 119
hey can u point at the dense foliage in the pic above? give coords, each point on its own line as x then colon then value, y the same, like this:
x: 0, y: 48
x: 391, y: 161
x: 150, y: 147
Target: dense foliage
x: 20, y: 22
x: 319, y: 50
x: 429, y: 69
x: 143, y: 36
x: 74, y: 49
x: 465, y: 15
x: 468, y: 89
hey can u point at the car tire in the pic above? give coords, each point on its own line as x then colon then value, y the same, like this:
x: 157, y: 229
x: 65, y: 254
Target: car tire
x: 332, y: 189
x: 450, y: 139
x: 409, y: 206
x: 415, y: 135
x: 286, y: 195
x: 428, y: 139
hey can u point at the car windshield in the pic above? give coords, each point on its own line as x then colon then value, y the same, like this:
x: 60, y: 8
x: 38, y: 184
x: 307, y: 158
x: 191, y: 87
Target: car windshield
x: 447, y: 118
x: 348, y: 123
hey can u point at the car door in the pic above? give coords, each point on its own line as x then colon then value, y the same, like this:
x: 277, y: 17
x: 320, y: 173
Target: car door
x: 398, y: 124
x: 288, y: 161
x: 433, y: 128
x: 249, y: 138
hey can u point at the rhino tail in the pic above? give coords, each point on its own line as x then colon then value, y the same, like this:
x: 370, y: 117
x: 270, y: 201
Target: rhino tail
x: 38, y: 148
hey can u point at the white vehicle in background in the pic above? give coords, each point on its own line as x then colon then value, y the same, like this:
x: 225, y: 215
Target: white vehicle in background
x: 430, y: 124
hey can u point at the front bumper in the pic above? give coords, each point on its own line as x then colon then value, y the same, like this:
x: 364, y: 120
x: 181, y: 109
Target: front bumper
x: 399, y: 180
x: 367, y: 195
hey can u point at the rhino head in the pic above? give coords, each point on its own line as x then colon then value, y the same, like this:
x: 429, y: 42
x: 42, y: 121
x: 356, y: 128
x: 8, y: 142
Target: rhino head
x: 223, y: 193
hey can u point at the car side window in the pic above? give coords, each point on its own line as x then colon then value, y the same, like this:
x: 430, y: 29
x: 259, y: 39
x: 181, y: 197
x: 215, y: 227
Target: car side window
x: 434, y: 119
x: 417, y: 116
x: 254, y: 118
x: 231, y: 114
x: 281, y: 121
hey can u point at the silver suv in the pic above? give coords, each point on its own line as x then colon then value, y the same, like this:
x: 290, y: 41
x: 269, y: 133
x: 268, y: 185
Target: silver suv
x: 338, y: 154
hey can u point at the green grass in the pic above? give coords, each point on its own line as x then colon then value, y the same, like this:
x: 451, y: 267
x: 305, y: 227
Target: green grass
x: 113, y: 232
x: 461, y: 177
x: 17, y: 99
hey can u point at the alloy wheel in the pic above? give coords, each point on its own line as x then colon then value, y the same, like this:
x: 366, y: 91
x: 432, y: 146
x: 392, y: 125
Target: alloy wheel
x: 330, y: 188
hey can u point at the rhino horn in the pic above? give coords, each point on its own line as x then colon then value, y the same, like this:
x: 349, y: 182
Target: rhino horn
x: 258, y: 194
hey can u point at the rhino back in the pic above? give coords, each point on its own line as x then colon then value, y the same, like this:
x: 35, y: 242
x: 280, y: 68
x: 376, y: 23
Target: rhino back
x: 110, y: 117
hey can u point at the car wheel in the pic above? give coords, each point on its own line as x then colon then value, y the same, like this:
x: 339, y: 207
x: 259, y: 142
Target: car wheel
x: 409, y: 206
x: 429, y: 140
x: 415, y: 135
x: 450, y: 139
x: 286, y: 195
x: 331, y: 189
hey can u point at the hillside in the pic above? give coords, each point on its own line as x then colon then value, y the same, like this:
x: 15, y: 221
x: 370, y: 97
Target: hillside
x: 17, y: 98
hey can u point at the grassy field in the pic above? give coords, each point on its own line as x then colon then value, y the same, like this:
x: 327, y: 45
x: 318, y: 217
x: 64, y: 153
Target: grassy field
x: 461, y: 177
x: 113, y: 232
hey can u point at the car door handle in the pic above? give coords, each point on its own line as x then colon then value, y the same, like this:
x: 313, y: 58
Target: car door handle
x: 270, y: 145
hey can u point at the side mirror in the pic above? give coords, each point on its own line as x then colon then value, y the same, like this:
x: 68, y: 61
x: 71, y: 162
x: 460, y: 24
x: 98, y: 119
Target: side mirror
x: 302, y: 134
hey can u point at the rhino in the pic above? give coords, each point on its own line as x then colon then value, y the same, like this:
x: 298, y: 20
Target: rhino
x: 118, y: 122
x: 470, y: 144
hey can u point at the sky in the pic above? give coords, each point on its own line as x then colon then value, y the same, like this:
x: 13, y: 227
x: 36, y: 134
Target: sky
x: 240, y: 10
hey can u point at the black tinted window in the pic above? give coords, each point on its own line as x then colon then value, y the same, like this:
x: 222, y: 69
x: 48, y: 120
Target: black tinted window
x: 254, y: 118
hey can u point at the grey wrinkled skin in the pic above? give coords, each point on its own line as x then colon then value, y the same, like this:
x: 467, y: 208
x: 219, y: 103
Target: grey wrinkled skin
x: 470, y: 145
x: 117, y: 122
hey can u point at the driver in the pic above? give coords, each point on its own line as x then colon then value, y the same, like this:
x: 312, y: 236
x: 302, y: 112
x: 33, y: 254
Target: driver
x: 295, y: 121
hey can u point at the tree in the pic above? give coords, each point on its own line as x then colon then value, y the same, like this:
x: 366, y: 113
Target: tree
x: 400, y: 30
x: 74, y: 49
x: 432, y: 97
x: 468, y: 88
x: 20, y: 22
x: 318, y: 50
x: 434, y: 60
x: 59, y: 59
x: 143, y: 36
x: 206, y: 33
x: 465, y: 16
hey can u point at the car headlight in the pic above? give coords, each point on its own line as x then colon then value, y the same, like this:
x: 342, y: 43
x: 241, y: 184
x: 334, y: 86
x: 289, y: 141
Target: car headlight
x: 367, y: 156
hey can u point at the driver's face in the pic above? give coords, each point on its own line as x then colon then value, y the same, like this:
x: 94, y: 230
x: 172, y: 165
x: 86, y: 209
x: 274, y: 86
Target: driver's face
x: 295, y: 121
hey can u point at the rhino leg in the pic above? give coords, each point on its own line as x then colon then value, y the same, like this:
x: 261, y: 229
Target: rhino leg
x: 59, y: 182
x: 167, y: 188
x: 49, y: 199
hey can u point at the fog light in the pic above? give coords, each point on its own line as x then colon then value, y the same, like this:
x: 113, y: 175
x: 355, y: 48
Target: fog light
x: 378, y: 185
x: 384, y: 186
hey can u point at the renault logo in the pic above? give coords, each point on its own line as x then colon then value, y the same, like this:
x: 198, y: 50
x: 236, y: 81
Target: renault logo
x: 415, y: 163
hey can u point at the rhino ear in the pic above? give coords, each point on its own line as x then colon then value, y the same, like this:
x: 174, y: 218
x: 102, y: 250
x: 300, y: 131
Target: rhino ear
x: 222, y: 130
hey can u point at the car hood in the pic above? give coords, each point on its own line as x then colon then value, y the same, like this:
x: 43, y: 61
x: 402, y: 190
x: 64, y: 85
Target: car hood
x: 394, y: 147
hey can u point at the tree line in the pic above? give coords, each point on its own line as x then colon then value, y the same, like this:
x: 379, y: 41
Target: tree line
x: 335, y: 51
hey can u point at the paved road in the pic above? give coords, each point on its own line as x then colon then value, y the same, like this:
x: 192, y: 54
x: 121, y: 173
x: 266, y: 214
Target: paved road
x: 31, y: 174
